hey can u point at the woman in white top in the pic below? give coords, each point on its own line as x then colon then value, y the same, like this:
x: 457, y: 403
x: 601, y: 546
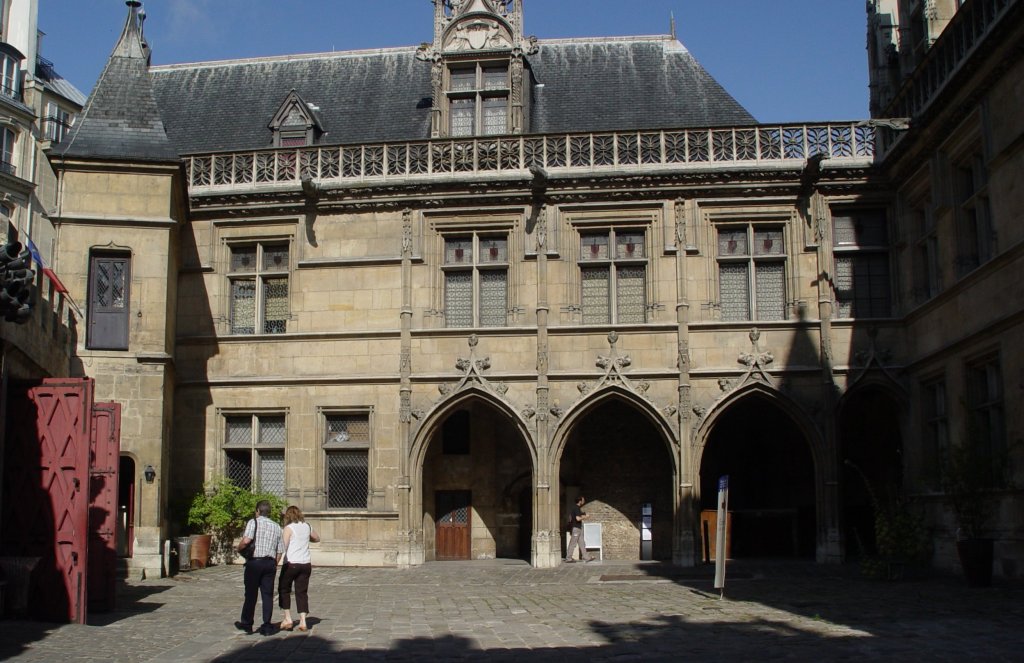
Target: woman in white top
x: 296, y: 568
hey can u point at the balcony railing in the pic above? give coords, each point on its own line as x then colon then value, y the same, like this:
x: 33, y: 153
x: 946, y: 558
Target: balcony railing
x: 8, y: 168
x: 971, y: 24
x: 10, y: 92
x: 849, y: 143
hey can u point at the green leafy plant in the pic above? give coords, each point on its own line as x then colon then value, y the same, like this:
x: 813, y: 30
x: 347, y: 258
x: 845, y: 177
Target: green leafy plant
x: 223, y: 508
x: 901, y: 537
x: 971, y: 479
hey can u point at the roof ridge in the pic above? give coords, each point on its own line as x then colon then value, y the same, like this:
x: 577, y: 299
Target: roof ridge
x: 367, y: 52
x: 299, y: 57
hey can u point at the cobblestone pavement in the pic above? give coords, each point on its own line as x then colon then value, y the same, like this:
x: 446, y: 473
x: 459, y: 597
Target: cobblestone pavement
x: 507, y: 611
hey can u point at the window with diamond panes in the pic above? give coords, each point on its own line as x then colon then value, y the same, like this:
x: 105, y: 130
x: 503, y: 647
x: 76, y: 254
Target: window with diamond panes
x: 109, y: 289
x: 975, y: 245
x: 347, y: 454
x: 254, y: 452
x: 478, y: 99
x: 476, y: 281
x: 259, y: 288
x: 613, y: 276
x: 926, y: 253
x: 936, y: 430
x: 861, y: 251
x: 986, y: 413
x: 751, y: 273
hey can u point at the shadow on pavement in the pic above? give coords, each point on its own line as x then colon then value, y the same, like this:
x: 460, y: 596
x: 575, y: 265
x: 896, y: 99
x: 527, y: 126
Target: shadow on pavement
x: 662, y: 638
x: 19, y: 634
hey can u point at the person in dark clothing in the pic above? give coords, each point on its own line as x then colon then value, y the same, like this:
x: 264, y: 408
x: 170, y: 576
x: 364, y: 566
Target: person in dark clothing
x: 576, y: 517
x: 261, y: 568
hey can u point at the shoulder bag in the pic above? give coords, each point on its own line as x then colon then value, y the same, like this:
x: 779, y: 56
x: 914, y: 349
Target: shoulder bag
x: 250, y: 548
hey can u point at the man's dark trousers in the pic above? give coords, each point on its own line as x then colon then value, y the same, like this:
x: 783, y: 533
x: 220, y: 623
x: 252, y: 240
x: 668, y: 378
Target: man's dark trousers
x: 259, y: 577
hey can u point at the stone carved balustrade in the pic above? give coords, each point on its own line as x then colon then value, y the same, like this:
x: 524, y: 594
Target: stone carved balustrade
x: 848, y: 143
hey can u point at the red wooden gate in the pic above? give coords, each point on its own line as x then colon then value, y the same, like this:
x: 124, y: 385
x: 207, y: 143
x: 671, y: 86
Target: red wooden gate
x: 105, y: 454
x: 49, y: 491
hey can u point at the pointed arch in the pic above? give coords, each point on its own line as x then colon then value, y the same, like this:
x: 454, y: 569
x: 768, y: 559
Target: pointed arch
x: 603, y: 395
x: 462, y: 504
x: 786, y: 404
x: 424, y: 434
x: 881, y: 381
x: 779, y: 464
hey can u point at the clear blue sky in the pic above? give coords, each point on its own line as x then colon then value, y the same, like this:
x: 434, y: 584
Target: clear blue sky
x: 784, y: 60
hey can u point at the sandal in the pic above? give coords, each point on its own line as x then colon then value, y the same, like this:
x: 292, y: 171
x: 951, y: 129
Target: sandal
x: 287, y: 626
x: 303, y: 628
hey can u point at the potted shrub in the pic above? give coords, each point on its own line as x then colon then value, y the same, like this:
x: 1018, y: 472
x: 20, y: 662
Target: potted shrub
x: 219, y: 512
x: 901, y: 539
x: 971, y: 479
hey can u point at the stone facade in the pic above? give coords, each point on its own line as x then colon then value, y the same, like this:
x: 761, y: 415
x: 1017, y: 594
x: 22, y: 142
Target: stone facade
x: 678, y: 305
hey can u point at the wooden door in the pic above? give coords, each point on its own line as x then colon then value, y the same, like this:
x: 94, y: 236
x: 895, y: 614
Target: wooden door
x: 105, y: 454
x: 46, y: 494
x: 453, y: 524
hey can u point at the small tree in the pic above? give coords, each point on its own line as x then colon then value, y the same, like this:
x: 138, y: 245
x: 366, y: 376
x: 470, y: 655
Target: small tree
x: 900, y: 534
x: 223, y: 508
x: 971, y: 478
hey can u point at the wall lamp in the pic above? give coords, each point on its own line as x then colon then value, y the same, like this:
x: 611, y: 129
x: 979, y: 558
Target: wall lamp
x: 149, y: 473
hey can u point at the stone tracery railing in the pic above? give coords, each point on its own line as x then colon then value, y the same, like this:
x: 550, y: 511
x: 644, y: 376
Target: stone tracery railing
x: 850, y: 142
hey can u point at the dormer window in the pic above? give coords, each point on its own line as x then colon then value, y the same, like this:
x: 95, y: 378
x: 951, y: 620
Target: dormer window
x: 477, y: 64
x: 478, y: 95
x: 295, y: 124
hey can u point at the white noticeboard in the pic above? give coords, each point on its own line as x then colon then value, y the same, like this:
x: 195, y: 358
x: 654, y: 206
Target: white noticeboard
x: 723, y: 509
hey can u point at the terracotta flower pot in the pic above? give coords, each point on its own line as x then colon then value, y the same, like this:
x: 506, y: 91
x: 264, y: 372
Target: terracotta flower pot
x: 976, y: 560
x: 199, y: 551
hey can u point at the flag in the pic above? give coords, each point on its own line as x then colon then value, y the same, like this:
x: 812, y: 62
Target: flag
x: 49, y: 273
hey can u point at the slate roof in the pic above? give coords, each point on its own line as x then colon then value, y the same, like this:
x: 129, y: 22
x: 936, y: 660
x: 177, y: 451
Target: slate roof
x: 362, y: 96
x: 121, y: 119
x: 57, y: 84
x: 626, y: 83
x: 580, y: 85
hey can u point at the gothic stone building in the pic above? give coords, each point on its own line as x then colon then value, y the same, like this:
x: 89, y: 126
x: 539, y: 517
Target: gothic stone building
x: 432, y: 294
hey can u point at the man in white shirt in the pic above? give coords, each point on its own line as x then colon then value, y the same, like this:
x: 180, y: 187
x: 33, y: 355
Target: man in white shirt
x: 261, y: 568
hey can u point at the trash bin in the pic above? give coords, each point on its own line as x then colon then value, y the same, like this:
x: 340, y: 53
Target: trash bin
x: 184, y: 553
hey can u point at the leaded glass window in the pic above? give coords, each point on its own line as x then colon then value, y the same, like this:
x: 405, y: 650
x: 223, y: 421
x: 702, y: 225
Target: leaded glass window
x: 861, y: 252
x: 974, y: 223
x: 734, y: 288
x: 613, y: 276
x: 751, y: 273
x: 478, y: 99
x: 254, y: 446
x: 109, y: 301
x: 987, y: 418
x: 259, y: 288
x: 595, y: 295
x: 936, y: 430
x: 476, y: 280
x: 346, y: 460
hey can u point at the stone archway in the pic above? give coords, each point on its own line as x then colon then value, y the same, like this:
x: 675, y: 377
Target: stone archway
x: 614, y: 451
x: 870, y: 453
x: 473, y: 462
x: 773, y: 477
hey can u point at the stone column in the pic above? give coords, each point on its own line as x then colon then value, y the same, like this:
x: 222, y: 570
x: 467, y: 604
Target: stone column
x: 546, y: 545
x: 684, y: 545
x: 406, y: 524
x: 829, y: 548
